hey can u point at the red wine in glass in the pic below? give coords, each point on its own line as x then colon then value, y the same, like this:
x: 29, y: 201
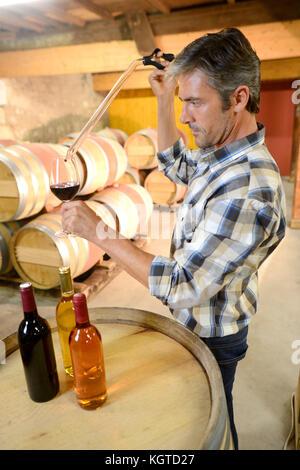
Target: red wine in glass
x: 65, y: 191
x: 64, y: 181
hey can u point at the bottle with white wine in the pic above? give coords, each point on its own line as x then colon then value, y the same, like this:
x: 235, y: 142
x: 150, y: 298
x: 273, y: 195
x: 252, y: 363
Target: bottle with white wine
x: 65, y: 316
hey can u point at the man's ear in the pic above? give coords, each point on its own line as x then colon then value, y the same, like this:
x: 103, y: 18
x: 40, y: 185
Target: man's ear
x: 240, y: 98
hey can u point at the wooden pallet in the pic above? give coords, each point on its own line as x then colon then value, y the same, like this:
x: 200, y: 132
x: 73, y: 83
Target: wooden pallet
x: 101, y: 274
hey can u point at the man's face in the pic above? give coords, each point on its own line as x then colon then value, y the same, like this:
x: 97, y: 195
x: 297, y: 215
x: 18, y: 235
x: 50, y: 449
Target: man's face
x: 202, y: 110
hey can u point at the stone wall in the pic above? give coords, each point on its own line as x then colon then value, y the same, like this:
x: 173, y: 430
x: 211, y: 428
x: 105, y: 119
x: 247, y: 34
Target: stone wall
x: 45, y: 109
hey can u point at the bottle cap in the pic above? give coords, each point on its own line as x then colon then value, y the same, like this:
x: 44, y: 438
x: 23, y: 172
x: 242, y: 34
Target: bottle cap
x: 80, y: 307
x: 65, y: 278
x: 27, y: 296
x: 64, y: 270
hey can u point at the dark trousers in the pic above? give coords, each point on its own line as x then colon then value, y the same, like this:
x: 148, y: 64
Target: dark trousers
x: 228, y: 350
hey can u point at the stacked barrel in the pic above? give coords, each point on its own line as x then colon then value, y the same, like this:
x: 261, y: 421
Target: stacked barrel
x: 119, y: 180
x: 141, y: 149
x: 28, y: 210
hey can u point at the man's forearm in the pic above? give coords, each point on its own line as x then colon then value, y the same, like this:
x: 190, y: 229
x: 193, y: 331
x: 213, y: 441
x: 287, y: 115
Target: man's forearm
x: 133, y: 260
x: 166, y: 123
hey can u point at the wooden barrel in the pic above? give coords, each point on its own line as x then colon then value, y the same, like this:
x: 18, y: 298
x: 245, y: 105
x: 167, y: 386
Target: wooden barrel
x: 7, y: 142
x: 68, y: 137
x: 162, y: 189
x: 104, y: 160
x: 104, y: 212
x: 36, y: 252
x: 7, y: 231
x: 24, y: 183
x: 131, y: 176
x: 165, y: 392
x: 115, y: 134
x: 45, y: 152
x: 142, y: 201
x: 123, y: 209
x: 141, y: 149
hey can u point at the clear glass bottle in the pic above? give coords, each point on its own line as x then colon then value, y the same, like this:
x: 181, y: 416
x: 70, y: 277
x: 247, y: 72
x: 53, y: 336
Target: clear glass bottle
x: 87, y: 358
x: 36, y: 348
x: 65, y: 316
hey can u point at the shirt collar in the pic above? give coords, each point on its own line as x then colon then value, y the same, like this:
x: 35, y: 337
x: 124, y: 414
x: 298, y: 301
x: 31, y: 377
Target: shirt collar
x: 234, y: 149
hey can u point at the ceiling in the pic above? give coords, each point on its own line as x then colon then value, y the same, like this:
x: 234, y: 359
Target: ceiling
x: 44, y: 17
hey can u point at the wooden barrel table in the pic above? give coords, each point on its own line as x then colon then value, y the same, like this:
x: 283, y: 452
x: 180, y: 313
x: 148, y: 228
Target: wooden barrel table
x: 164, y: 387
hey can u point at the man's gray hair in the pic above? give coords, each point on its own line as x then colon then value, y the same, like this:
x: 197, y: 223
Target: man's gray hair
x: 228, y: 61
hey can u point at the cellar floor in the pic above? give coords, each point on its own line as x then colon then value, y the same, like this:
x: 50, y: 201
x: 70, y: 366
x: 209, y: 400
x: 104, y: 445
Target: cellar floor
x: 267, y: 377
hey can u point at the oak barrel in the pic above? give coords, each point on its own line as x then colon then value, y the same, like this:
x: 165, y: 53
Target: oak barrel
x: 104, y: 159
x: 130, y: 205
x: 162, y: 189
x: 141, y: 148
x: 24, y: 183
x: 7, y: 142
x: 7, y: 230
x: 131, y: 176
x: 116, y: 134
x: 108, y: 132
x: 143, y: 203
x: 123, y: 209
x: 46, y: 152
x: 165, y: 391
x: 36, y: 253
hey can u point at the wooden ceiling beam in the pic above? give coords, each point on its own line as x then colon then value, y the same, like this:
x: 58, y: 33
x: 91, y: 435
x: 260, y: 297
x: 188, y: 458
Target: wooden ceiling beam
x: 97, y: 9
x: 280, y: 40
x: 34, y: 16
x: 60, y: 14
x: 160, y: 5
x: 221, y: 16
x: 141, y: 31
x: 18, y: 21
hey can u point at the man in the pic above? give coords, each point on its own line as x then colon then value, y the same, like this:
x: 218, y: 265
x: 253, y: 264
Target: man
x: 233, y: 214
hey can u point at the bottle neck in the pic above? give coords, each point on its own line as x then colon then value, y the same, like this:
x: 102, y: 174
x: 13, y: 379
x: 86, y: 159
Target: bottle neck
x: 66, y: 282
x: 81, y: 310
x: 28, y: 301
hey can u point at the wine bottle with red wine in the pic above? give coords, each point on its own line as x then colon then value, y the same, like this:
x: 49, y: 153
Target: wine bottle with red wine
x: 36, y: 348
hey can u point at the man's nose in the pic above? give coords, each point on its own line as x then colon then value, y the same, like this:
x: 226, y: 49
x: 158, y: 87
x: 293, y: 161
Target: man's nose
x: 184, y: 117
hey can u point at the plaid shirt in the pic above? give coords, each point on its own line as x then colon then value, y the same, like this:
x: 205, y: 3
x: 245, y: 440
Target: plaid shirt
x: 231, y: 219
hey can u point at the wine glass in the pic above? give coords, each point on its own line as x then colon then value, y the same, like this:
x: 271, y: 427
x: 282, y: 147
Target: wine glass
x: 64, y: 182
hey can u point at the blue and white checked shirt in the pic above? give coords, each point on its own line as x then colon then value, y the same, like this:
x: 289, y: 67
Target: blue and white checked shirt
x: 231, y: 219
